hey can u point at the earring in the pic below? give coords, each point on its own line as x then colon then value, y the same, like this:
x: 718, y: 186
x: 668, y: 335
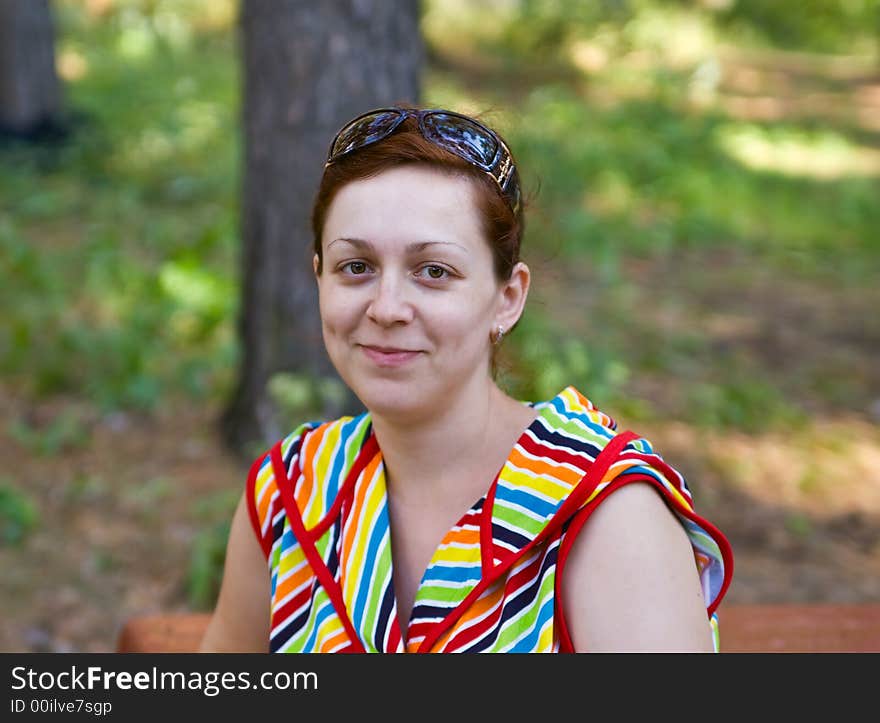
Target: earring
x: 498, y: 335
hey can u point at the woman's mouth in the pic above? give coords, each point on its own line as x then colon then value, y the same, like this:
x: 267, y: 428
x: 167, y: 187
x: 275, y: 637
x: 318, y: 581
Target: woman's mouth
x: 388, y: 356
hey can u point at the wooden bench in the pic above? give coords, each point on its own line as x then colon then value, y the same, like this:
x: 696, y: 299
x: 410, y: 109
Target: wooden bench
x: 775, y: 628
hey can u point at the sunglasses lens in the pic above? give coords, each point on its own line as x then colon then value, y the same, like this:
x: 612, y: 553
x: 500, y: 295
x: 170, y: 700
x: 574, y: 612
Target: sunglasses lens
x: 460, y: 135
x: 463, y: 137
x: 363, y: 131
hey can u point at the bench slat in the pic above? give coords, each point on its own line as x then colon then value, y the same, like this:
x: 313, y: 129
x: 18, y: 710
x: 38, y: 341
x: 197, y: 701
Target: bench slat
x: 780, y: 628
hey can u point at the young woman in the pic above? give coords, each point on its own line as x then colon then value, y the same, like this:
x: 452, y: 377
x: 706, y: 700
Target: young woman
x: 451, y: 517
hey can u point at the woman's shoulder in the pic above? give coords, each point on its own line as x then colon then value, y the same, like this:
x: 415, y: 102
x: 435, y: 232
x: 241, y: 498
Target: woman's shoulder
x: 571, y: 419
x: 573, y: 424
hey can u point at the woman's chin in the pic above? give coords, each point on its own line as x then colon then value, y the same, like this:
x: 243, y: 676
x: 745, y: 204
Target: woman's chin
x: 396, y: 401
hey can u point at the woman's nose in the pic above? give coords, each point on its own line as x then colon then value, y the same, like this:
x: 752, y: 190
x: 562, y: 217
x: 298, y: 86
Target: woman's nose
x: 389, y: 304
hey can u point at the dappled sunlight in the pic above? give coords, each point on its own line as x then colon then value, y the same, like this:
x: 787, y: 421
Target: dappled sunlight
x: 464, y: 23
x: 867, y: 99
x: 676, y: 37
x: 859, y: 112
x: 71, y: 64
x: 196, y: 288
x: 801, y: 508
x: 203, y: 300
x: 173, y: 16
x: 773, y: 86
x: 825, y: 469
x: 823, y: 155
x: 195, y: 124
x: 99, y: 8
x: 200, y: 123
x: 588, y: 56
x: 150, y: 147
x: 137, y: 40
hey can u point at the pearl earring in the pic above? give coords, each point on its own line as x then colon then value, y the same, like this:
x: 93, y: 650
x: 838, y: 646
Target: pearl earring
x: 499, y: 334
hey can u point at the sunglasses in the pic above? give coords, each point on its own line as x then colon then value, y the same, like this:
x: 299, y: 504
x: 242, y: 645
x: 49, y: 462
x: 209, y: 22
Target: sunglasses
x: 478, y: 145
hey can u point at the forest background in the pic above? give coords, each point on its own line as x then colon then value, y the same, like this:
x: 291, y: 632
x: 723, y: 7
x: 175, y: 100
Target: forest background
x: 705, y: 184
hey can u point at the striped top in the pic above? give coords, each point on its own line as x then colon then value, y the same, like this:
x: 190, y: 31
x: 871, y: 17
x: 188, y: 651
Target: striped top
x: 319, y: 507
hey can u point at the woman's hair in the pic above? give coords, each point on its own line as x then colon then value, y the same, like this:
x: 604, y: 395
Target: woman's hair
x: 406, y: 146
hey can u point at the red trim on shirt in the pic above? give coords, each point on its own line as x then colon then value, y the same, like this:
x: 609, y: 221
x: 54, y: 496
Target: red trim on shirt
x: 565, y: 643
x: 463, y: 638
x: 487, y: 547
x: 250, y: 495
x: 587, y: 483
x: 307, y: 542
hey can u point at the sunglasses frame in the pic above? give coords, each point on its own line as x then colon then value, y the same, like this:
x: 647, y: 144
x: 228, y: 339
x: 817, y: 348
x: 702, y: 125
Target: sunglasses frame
x: 501, y: 168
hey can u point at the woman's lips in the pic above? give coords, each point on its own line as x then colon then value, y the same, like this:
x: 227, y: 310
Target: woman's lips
x: 389, y: 357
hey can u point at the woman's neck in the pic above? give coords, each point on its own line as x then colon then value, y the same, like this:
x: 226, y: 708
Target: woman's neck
x: 448, y: 454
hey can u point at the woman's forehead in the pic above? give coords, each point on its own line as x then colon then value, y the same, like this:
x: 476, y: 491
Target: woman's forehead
x: 424, y: 184
x: 407, y: 208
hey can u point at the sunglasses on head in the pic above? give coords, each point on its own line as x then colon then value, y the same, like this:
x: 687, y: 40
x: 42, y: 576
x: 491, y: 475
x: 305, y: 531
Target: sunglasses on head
x: 478, y: 145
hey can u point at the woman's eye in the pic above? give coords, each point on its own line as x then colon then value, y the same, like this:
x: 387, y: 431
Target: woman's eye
x: 355, y: 267
x: 435, y: 272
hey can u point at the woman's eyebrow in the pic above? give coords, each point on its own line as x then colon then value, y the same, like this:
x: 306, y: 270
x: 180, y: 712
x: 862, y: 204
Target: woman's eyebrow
x: 414, y: 247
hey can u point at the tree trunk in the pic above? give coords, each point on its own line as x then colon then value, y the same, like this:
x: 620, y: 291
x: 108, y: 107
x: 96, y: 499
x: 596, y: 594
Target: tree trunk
x: 308, y: 67
x: 30, y: 96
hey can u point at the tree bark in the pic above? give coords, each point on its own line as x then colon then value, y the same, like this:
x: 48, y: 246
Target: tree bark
x: 308, y: 67
x: 30, y: 95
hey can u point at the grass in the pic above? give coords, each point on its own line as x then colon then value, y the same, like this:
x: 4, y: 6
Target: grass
x: 127, y: 231
x: 18, y: 514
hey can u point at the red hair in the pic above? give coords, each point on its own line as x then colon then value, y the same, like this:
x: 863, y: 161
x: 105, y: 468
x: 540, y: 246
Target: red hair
x: 502, y: 228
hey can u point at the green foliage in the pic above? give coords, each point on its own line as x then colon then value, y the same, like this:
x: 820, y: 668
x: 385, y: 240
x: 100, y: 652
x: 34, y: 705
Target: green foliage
x: 751, y: 405
x: 206, y: 565
x: 532, y: 28
x: 544, y: 29
x: 18, y: 514
x: 824, y: 25
x: 299, y: 397
x: 208, y: 549
x: 84, y: 489
x: 553, y: 361
x: 643, y: 177
x: 118, y: 249
x: 65, y: 431
x: 798, y: 525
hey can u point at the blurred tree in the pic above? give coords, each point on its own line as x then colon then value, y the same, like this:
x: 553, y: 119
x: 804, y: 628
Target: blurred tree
x: 308, y: 67
x: 30, y: 94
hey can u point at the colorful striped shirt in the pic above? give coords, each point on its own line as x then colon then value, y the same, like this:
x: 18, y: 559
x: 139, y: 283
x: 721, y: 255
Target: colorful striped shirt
x: 319, y: 507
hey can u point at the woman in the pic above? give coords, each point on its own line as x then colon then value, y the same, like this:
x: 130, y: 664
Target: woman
x: 451, y: 517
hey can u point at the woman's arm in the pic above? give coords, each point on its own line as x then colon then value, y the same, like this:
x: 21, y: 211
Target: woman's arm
x: 241, y: 618
x: 631, y: 582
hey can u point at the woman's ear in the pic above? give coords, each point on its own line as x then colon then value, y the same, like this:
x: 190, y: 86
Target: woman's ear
x: 315, y: 263
x: 514, y: 292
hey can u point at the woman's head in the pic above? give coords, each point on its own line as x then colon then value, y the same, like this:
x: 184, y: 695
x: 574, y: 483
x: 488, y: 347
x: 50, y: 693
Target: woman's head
x: 416, y: 258
x: 445, y: 141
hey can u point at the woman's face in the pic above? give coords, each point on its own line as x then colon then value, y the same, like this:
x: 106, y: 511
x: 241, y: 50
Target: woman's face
x: 407, y: 292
